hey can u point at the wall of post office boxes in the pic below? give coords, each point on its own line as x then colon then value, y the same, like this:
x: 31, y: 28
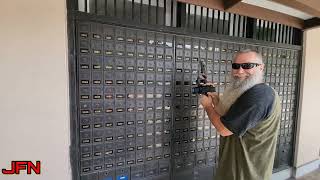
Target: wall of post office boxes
x: 137, y: 117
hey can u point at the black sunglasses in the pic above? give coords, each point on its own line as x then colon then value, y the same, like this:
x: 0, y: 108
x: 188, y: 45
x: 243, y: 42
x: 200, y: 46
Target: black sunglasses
x: 244, y: 65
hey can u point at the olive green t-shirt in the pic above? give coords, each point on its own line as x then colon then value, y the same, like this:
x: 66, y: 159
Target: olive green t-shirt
x: 254, y: 119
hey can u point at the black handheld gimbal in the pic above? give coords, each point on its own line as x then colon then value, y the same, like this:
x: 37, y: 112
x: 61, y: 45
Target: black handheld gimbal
x: 202, y: 88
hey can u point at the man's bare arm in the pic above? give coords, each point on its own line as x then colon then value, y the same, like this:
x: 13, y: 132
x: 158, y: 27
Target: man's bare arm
x: 215, y: 120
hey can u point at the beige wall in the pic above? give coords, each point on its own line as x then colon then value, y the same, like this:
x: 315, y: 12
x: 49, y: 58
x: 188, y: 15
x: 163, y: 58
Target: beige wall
x: 34, y: 110
x: 308, y: 141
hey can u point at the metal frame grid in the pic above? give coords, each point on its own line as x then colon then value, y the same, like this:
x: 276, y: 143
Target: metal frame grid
x: 126, y: 86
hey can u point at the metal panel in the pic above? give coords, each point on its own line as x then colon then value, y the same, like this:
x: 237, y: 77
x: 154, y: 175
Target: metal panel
x: 134, y: 91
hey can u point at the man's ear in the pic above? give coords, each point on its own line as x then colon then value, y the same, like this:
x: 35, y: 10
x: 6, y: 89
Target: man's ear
x: 261, y: 67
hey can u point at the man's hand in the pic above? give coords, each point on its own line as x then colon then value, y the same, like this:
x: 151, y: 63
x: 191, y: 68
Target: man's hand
x: 202, y: 79
x: 206, y: 101
x: 215, y: 98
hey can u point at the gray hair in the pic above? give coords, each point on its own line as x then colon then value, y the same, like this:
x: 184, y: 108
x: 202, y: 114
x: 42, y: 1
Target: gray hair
x: 258, y: 55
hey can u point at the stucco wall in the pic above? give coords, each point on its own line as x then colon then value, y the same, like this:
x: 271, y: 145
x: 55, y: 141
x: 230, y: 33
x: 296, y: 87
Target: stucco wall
x: 308, y: 135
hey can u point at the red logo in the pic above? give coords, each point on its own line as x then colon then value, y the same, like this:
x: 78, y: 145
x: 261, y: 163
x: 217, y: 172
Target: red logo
x: 16, y: 166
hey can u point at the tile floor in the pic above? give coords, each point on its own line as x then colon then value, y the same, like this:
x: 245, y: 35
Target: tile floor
x: 315, y: 175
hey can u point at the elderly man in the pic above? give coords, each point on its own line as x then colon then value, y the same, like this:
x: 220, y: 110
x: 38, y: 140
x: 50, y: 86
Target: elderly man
x: 247, y: 117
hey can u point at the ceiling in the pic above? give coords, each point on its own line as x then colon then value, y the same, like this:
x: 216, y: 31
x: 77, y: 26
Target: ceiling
x: 275, y: 6
x: 301, y: 14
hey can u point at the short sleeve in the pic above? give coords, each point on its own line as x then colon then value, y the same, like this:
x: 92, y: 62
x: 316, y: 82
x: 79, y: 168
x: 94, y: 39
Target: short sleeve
x: 252, y: 107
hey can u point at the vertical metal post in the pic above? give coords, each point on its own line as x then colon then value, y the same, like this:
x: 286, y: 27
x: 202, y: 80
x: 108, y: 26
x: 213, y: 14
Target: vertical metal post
x: 277, y: 32
x: 181, y: 9
x: 213, y: 21
x: 244, y: 26
x: 188, y: 16
x: 132, y: 9
x: 124, y: 9
x: 273, y: 32
x: 240, y: 26
x: 105, y: 7
x: 95, y: 7
x: 149, y: 8
x: 164, y: 12
x: 115, y: 8
x: 207, y: 18
x: 258, y: 29
x: 86, y: 6
x: 265, y: 33
x: 285, y: 34
x: 223, y: 21
x: 172, y: 11
x: 288, y: 35
x: 291, y: 35
x: 263, y: 27
x: 195, y: 17
x: 201, y: 14
x: 218, y: 21
x: 157, y: 11
x: 209, y: 21
x: 236, y: 25
x: 269, y: 30
x: 140, y: 12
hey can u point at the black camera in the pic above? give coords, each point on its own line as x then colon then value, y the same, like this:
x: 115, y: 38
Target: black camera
x: 202, y: 88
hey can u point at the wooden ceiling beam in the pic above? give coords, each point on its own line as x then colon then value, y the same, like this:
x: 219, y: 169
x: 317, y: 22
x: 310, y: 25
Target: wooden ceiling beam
x: 250, y: 11
x: 214, y: 4
x: 301, y: 6
x: 230, y: 3
x: 311, y: 23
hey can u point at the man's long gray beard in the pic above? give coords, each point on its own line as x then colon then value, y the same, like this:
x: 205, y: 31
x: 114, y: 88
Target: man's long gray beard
x: 235, y: 89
